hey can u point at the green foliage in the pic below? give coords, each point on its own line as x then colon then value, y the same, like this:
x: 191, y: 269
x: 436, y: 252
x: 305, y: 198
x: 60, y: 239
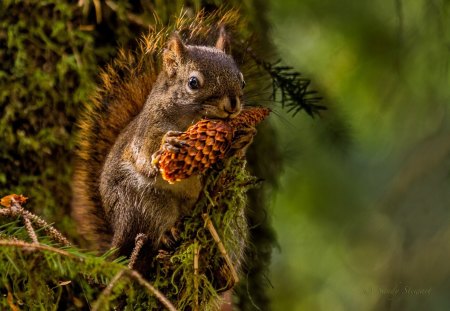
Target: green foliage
x: 292, y: 89
x: 45, y: 276
x: 363, y: 207
x: 45, y: 279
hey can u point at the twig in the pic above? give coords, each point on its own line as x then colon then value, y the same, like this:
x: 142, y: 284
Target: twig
x: 10, y: 301
x: 107, y: 291
x: 86, y: 27
x: 5, y: 212
x: 76, y: 52
x: 33, y: 247
x: 196, y: 285
x: 132, y: 17
x: 139, y: 242
x: 98, y: 11
x: 15, y: 209
x: 135, y: 275
x: 30, y: 230
x: 223, y: 251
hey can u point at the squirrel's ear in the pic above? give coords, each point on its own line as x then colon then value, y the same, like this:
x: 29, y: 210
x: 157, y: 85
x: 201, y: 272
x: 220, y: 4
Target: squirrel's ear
x: 223, y: 42
x: 173, y: 54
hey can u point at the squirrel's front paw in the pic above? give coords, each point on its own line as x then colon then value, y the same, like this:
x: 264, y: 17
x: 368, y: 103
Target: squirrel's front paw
x: 172, y: 142
x: 241, y: 140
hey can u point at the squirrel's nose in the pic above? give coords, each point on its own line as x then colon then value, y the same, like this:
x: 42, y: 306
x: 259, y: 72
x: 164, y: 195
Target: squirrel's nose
x: 232, y: 105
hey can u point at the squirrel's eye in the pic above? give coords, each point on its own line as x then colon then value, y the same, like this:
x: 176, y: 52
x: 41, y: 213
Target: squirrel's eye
x: 193, y: 83
x: 243, y: 83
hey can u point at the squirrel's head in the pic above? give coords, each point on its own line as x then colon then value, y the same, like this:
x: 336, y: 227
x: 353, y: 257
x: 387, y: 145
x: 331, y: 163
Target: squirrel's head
x: 203, y: 80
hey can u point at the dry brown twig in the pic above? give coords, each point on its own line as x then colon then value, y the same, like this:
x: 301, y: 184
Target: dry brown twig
x: 196, y: 285
x: 135, y: 275
x: 107, y: 291
x: 13, y: 208
x: 131, y: 17
x: 33, y: 247
x: 132, y: 274
x: 223, y: 251
x: 10, y: 301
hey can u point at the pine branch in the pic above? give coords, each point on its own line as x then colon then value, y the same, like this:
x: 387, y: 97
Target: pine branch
x: 13, y: 208
x: 222, y: 249
x: 55, y: 234
x: 34, y: 247
x: 290, y: 88
x: 135, y: 275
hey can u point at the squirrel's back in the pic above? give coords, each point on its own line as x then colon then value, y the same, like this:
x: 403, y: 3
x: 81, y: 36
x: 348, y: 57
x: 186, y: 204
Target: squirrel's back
x: 120, y: 96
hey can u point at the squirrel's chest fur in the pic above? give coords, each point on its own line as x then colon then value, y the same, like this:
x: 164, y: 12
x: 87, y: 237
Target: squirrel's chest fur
x: 135, y: 198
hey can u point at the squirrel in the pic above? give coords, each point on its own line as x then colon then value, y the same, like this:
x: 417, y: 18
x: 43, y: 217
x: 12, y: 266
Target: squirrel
x: 117, y: 191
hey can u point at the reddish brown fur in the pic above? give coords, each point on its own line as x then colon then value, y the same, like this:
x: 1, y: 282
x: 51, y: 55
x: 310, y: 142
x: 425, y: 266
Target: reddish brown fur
x: 123, y: 99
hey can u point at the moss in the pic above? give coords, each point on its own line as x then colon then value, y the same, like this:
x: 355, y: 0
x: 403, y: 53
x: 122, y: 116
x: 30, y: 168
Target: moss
x: 224, y: 201
x: 46, y: 71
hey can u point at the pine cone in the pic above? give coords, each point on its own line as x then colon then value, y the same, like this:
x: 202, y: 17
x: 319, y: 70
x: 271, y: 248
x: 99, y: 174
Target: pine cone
x: 204, y: 144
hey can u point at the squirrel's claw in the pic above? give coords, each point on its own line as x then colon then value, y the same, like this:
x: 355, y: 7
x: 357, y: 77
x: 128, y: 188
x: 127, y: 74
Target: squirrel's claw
x: 171, y: 147
x: 173, y: 134
x: 173, y: 138
x: 175, y: 233
x: 172, y: 142
x: 175, y: 142
x: 162, y: 254
x: 242, y: 139
x: 155, y: 158
x: 170, y: 237
x: 154, y: 168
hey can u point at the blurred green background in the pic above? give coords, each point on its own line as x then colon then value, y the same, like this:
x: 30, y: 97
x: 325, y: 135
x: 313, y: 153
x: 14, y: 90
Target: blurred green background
x: 362, y: 213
